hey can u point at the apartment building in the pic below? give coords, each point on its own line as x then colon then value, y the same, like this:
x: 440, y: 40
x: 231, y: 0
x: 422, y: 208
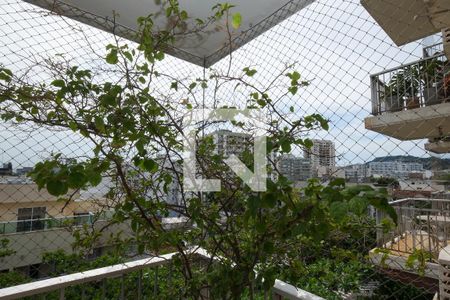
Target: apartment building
x: 355, y: 173
x: 294, y: 168
x: 228, y: 142
x: 321, y: 154
x: 395, y: 169
x: 35, y: 222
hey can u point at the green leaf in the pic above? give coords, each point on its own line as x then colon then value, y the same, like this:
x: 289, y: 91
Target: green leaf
x: 169, y: 11
x: 294, y: 76
x: 111, y: 57
x: 293, y: 90
x: 308, y: 143
x: 150, y: 165
x: 76, y: 180
x: 338, y: 210
x: 5, y: 75
x: 99, y: 124
x: 285, y: 146
x: 95, y: 178
x: 128, y: 56
x: 269, y: 200
x: 159, y: 55
x: 236, y: 20
x: 249, y: 72
x: 183, y: 15
x: 56, y: 187
x: 73, y: 125
x: 58, y: 83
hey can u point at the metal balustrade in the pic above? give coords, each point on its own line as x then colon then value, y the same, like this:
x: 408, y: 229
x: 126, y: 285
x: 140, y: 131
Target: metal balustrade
x: 421, y: 83
x: 280, y: 290
x: 432, y: 50
x: 422, y: 225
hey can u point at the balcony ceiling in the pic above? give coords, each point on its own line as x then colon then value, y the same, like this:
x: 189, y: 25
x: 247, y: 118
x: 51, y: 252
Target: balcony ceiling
x: 440, y: 147
x: 203, y: 48
x: 425, y: 122
x: 406, y: 21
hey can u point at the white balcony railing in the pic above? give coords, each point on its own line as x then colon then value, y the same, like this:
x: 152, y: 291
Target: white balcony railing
x: 280, y: 290
x: 418, y: 84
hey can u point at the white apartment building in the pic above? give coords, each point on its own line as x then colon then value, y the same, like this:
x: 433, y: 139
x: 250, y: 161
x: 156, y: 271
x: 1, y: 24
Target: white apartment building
x: 321, y: 154
x: 228, y: 142
x: 392, y: 169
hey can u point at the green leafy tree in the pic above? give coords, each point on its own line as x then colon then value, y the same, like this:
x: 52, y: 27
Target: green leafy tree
x: 136, y: 132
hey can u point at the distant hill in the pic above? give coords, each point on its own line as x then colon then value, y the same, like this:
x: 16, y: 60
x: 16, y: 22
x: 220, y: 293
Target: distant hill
x: 429, y: 163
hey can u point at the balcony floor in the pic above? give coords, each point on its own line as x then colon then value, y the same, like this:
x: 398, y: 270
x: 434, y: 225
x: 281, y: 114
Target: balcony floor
x: 425, y: 122
x: 404, y: 246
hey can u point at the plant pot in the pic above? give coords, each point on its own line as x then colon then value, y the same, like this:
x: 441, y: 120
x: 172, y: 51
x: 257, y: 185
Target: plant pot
x: 430, y: 96
x: 393, y: 103
x: 412, y: 103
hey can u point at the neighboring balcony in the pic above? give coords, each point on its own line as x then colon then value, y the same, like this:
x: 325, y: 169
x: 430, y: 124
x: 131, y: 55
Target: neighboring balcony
x: 439, y: 146
x: 22, y: 226
x: 414, y: 244
x: 412, y: 101
x: 30, y: 239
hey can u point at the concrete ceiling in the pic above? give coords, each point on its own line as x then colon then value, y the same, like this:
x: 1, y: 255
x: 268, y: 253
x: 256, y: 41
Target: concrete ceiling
x: 406, y: 21
x: 203, y: 48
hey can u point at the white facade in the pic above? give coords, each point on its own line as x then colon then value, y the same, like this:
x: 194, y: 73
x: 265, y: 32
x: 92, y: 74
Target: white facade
x: 322, y: 155
x: 228, y: 142
x: 392, y: 169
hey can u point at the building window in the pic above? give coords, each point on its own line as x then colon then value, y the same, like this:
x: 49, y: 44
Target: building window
x: 81, y: 218
x: 29, y: 219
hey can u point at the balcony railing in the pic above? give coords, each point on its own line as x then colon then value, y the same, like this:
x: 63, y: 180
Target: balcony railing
x: 20, y: 226
x: 423, y: 225
x: 145, y: 288
x: 433, y: 50
x: 421, y: 83
x: 44, y: 224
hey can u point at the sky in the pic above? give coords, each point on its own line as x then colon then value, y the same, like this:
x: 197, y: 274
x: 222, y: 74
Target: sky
x: 336, y: 45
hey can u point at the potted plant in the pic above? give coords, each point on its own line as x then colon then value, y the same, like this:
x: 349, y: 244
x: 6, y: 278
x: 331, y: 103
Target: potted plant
x: 412, y: 85
x: 392, y: 96
x: 433, y: 81
x: 403, y: 88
